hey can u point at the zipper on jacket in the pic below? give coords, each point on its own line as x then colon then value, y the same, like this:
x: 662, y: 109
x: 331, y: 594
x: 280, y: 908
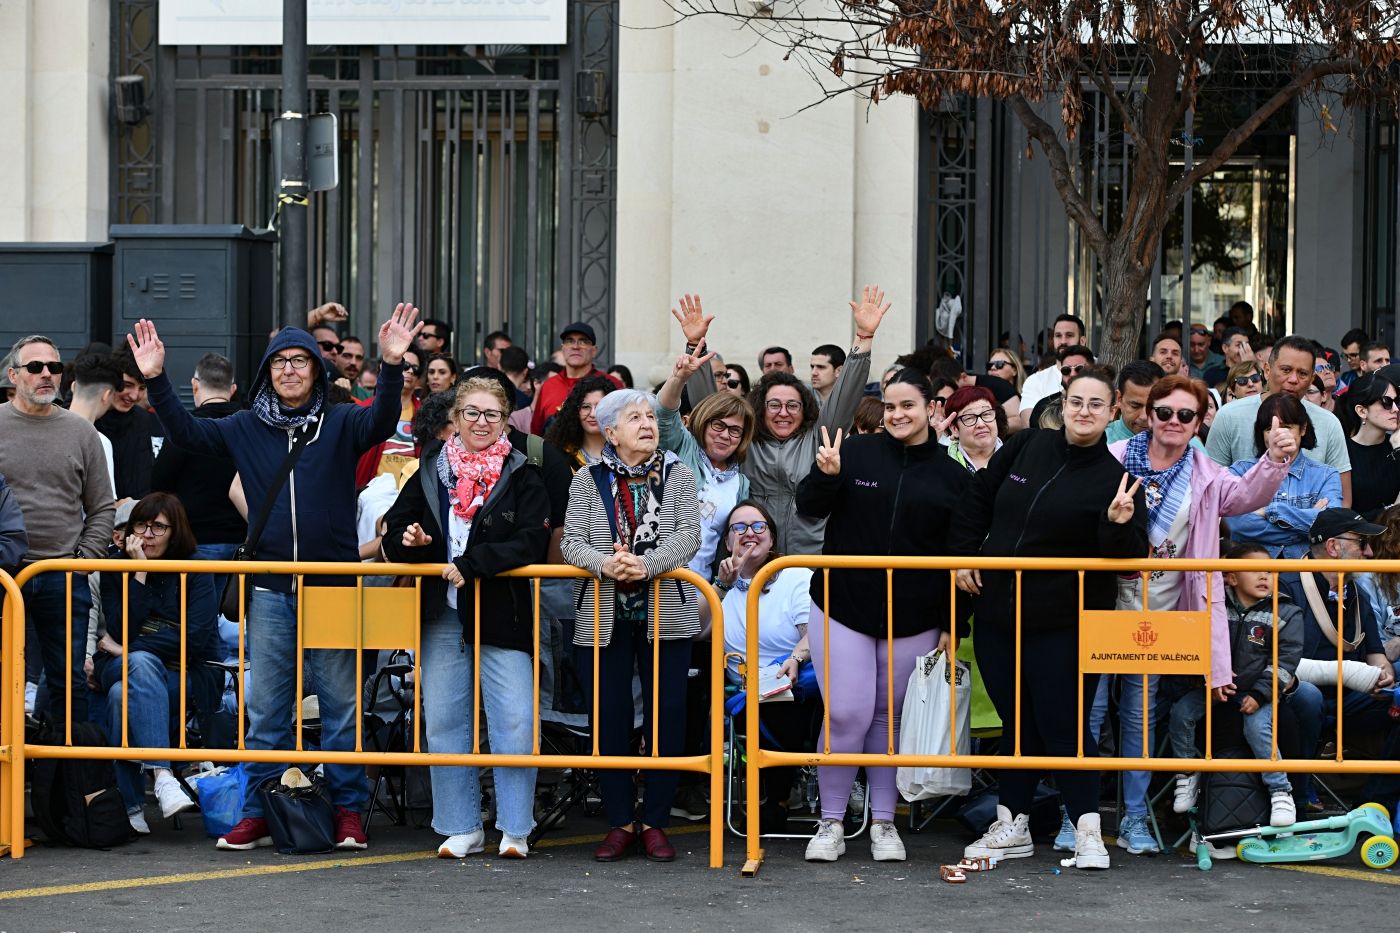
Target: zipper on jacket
x: 292, y: 492
x: 1016, y: 551
x: 894, y: 511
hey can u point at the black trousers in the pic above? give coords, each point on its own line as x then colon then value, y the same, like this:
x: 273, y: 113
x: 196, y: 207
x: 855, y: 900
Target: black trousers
x: 1048, y: 715
x: 630, y: 647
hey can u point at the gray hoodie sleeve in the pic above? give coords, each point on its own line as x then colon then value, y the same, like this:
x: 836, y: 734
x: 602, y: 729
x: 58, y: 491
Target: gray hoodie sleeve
x: 840, y: 409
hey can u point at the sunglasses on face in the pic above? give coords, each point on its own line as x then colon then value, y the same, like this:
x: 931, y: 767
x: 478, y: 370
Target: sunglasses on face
x: 330, y: 346
x: 411, y: 370
x: 758, y: 527
x: 1322, y: 368
x: 1184, y: 415
x: 1073, y: 370
x: 1243, y: 381
x: 733, y: 383
x: 998, y: 364
x: 35, y: 367
x: 1385, y: 401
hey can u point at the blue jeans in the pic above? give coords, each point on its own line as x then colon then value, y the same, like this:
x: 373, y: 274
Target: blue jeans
x: 507, y: 688
x: 272, y: 699
x: 150, y: 713
x: 1258, y: 732
x: 1130, y: 727
x: 46, y: 603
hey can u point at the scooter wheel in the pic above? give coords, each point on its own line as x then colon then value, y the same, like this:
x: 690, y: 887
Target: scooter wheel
x: 1378, y: 807
x: 1379, y: 852
x: 1246, y: 846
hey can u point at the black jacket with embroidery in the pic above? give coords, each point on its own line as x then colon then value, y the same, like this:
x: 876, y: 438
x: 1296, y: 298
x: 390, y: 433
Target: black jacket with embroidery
x: 1252, y: 655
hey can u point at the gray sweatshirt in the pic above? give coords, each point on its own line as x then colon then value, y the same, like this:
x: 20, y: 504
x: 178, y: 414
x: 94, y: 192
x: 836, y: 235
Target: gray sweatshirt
x: 58, y: 473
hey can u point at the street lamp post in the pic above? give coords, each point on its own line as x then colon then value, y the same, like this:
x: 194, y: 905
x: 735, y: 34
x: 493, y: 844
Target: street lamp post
x: 291, y: 187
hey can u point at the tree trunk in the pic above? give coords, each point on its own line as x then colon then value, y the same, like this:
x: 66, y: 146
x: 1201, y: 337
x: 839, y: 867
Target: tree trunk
x: 1125, y: 285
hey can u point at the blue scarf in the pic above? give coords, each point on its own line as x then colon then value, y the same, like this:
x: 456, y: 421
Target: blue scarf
x: 271, y: 412
x: 1164, y: 490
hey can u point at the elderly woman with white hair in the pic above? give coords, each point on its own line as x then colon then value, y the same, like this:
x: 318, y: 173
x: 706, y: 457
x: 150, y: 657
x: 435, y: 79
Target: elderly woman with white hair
x: 631, y: 517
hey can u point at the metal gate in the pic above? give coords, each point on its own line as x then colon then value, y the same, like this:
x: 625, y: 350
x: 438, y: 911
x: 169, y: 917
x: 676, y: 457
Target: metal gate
x: 468, y: 184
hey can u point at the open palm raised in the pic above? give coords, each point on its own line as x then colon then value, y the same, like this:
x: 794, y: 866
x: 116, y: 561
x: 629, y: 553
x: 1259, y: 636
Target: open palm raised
x: 396, y: 334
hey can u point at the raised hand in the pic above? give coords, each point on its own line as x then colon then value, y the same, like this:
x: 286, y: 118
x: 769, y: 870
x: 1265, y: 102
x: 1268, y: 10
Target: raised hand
x: 741, y: 563
x: 147, y: 349
x: 829, y: 453
x: 694, y: 323
x: 396, y: 334
x: 942, y: 425
x: 687, y: 364
x: 1120, y: 510
x: 415, y: 536
x: 870, y: 311
x: 330, y: 311
x: 1281, y: 442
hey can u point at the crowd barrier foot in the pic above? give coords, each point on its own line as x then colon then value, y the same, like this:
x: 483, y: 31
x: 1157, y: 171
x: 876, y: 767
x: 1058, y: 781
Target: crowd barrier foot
x: 751, y: 866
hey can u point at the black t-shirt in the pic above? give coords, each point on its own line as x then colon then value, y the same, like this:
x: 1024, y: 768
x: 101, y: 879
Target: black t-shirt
x: 1375, y: 476
x: 555, y: 472
x: 1003, y: 390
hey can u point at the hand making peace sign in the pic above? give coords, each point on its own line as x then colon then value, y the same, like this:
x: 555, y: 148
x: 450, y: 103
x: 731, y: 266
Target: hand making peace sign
x: 1120, y: 510
x: 829, y: 453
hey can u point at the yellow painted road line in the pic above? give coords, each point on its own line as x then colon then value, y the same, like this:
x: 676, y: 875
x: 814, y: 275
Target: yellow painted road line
x: 256, y: 870
x: 1355, y: 874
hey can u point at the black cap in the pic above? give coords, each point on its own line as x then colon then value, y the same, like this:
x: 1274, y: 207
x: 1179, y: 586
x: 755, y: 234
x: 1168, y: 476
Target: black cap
x: 582, y: 329
x: 1333, y: 523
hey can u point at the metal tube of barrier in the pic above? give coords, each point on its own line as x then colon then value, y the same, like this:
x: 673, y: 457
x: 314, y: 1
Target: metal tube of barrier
x: 1079, y: 688
x: 1341, y: 637
x: 952, y: 659
x: 359, y: 621
x: 535, y: 727
x: 184, y: 657
x: 597, y: 656
x: 300, y: 590
x: 1146, y: 705
x: 1017, y: 707
x: 656, y: 667
x: 126, y: 657
x: 418, y: 664
x: 889, y: 657
x: 68, y: 658
x: 751, y: 745
x: 1273, y: 687
x: 476, y: 665
x: 826, y: 656
x: 241, y: 687
x: 1210, y: 607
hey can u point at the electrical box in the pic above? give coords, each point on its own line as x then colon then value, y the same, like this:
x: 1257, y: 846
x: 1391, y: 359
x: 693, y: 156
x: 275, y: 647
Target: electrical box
x: 60, y: 290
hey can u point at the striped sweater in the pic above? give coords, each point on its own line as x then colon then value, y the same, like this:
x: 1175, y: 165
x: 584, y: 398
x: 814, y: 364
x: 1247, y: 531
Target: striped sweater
x: 588, y: 543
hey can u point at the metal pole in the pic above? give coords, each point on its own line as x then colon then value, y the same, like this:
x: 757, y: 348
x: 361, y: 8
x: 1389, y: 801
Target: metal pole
x: 291, y: 187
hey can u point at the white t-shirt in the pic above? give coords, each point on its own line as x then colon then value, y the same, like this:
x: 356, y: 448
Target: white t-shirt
x: 458, y: 530
x: 1163, y: 589
x: 1038, y: 385
x: 111, y: 465
x: 786, y: 605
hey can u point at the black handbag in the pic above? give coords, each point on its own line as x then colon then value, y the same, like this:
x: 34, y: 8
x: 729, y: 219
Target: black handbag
x: 301, y: 820
x: 233, y: 598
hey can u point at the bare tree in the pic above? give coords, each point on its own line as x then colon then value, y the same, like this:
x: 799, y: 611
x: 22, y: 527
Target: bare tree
x: 1149, y: 59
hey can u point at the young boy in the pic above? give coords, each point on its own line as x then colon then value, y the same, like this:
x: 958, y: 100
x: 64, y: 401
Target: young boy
x: 1250, y: 606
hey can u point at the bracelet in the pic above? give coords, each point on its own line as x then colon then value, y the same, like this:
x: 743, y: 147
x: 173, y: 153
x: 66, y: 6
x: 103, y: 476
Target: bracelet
x: 860, y: 336
x: 721, y: 585
x: 690, y: 348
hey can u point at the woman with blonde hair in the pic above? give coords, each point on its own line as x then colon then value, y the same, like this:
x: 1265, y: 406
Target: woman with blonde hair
x: 1005, y: 364
x: 1245, y: 379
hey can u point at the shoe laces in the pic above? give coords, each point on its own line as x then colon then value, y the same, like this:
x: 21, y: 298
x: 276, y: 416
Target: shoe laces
x: 883, y: 830
x: 826, y: 829
x: 1134, y: 826
x: 1000, y: 832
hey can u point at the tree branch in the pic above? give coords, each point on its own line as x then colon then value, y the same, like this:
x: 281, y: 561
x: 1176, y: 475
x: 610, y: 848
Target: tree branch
x: 1061, y: 174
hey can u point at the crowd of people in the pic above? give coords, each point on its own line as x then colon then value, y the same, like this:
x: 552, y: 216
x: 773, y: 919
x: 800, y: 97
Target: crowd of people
x: 1220, y: 440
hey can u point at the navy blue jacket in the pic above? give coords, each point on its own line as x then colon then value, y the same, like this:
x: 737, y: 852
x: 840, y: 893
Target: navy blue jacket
x: 14, y: 541
x: 313, y: 516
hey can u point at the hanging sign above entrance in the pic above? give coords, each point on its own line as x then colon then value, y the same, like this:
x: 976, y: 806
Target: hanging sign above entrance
x: 367, y: 22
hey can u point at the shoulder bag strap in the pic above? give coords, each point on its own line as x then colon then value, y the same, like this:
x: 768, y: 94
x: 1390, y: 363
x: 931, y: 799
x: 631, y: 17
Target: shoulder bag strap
x: 255, y: 530
x: 1321, y: 615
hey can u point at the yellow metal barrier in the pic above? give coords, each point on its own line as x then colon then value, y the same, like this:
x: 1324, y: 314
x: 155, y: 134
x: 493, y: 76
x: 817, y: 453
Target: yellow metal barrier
x: 1104, y: 623
x: 338, y: 617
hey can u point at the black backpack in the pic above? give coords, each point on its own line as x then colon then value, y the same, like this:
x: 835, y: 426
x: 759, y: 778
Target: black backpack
x: 1231, y: 800
x: 76, y: 801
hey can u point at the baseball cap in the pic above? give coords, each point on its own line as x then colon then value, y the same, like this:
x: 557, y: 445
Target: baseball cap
x: 1333, y: 523
x: 582, y: 329
x: 124, y: 513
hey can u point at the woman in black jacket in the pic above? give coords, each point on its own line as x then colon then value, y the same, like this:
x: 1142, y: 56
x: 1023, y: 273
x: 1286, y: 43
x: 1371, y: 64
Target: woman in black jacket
x: 1047, y: 494
x: 893, y: 492
x: 477, y: 506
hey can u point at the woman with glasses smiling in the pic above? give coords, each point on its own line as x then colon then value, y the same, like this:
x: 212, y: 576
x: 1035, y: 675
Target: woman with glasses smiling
x: 1187, y: 494
x: 476, y: 506
x: 1244, y: 380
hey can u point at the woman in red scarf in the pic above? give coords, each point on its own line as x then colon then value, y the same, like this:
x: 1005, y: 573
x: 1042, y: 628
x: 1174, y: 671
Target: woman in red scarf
x: 477, y: 506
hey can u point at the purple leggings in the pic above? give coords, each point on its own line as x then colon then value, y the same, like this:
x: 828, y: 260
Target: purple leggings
x: 859, y: 714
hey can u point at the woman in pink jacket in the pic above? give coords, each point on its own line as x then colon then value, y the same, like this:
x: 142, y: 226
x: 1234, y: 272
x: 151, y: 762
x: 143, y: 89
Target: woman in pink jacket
x: 1187, y: 493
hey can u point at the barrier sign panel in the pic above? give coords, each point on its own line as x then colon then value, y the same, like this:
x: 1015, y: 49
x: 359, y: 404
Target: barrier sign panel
x: 1137, y: 642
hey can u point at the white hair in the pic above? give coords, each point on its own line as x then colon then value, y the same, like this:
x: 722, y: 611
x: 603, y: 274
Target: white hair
x: 612, y: 405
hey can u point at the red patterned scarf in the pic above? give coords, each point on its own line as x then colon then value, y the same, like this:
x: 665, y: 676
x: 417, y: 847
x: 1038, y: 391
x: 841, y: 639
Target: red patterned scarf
x: 472, y: 474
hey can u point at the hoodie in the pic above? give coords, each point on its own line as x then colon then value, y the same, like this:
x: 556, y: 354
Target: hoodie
x: 313, y: 513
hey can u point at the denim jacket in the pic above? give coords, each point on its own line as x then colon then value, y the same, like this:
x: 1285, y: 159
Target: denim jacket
x: 1283, y: 528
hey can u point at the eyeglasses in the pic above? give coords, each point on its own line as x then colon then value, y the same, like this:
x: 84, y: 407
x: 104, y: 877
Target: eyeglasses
x: 154, y: 529
x: 492, y: 415
x: 1352, y: 356
x: 1243, y: 381
x: 1184, y: 415
x: 1073, y: 370
x: 733, y: 430
x: 35, y: 367
x: 577, y: 342
x: 998, y: 364
x: 1322, y: 368
x: 775, y: 406
x: 429, y: 335
x: 971, y: 418
x: 740, y: 527
x: 279, y: 363
x: 733, y: 383
x: 330, y: 346
x: 1095, y: 406
x: 1385, y: 401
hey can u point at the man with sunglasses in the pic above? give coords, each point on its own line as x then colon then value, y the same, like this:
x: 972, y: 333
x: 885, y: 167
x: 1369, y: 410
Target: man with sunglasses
x: 1290, y: 369
x: 1072, y: 361
x: 55, y: 466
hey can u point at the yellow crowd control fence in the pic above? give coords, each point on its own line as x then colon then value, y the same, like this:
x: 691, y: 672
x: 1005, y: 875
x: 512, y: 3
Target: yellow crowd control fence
x: 1125, y: 643
x: 350, y: 617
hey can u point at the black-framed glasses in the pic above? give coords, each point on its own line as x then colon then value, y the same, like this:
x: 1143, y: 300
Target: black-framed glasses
x: 155, y: 529
x: 1074, y: 370
x: 330, y: 346
x: 758, y: 527
x: 971, y: 418
x: 1385, y: 401
x: 429, y: 335
x: 998, y: 364
x: 35, y: 367
x: 279, y: 363
x: 492, y: 415
x: 733, y: 383
x: 1243, y: 381
x: 411, y: 370
x: 1184, y: 415
x: 733, y: 430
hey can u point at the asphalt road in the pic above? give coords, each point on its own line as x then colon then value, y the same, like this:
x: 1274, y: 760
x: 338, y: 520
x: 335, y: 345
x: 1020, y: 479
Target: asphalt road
x: 176, y: 880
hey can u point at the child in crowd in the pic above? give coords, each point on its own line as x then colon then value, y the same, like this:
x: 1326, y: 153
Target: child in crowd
x: 1250, y: 607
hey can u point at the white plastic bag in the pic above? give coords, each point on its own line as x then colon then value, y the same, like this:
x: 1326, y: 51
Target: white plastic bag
x: 924, y: 728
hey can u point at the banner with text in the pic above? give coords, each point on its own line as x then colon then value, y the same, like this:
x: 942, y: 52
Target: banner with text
x: 1137, y: 642
x: 367, y: 22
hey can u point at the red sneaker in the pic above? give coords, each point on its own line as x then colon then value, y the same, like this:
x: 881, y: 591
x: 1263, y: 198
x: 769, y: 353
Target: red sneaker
x: 349, y: 831
x: 248, y: 834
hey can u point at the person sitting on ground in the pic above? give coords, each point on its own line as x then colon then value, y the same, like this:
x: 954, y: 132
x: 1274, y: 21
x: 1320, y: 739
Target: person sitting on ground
x: 977, y: 425
x: 1250, y: 608
x: 147, y: 631
x: 574, y: 428
x: 632, y: 517
x: 475, y: 505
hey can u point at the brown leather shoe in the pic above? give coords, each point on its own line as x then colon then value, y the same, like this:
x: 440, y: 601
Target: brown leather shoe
x: 657, y: 847
x: 617, y: 844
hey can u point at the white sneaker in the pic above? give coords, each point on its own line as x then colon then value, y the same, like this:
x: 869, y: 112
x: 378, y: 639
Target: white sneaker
x: 137, y: 819
x: 885, y: 844
x: 1005, y: 838
x: 462, y: 845
x: 1282, y: 812
x: 829, y: 842
x: 513, y: 846
x: 1089, y: 850
x: 171, y: 796
x: 1188, y: 786
x: 855, y: 804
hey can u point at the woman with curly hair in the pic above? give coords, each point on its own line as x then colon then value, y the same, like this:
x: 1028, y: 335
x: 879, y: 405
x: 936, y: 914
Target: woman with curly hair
x: 574, y: 429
